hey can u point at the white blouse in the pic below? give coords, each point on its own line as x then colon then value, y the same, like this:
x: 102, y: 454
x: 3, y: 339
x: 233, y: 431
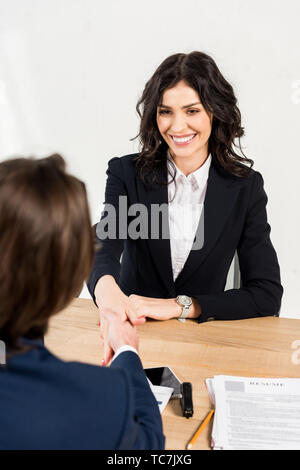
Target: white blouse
x: 185, y: 210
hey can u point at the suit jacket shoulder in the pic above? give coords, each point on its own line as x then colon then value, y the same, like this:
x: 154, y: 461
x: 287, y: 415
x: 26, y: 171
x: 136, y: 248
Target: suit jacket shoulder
x: 122, y: 163
x: 51, y: 404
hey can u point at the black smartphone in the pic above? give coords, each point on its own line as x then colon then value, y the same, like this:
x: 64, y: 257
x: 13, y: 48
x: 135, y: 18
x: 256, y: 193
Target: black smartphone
x: 164, y: 377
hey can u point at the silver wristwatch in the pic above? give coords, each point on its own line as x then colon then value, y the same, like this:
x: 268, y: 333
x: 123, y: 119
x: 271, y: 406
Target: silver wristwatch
x: 185, y: 302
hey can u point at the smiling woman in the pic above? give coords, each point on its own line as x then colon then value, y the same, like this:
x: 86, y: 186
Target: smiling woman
x: 195, y: 84
x: 185, y: 126
x: 190, y: 128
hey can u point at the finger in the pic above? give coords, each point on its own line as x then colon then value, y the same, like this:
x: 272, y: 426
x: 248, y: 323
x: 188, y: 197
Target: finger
x: 107, y: 350
x: 103, y: 334
x: 108, y: 354
x: 104, y: 325
x: 133, y: 316
x: 139, y: 321
x: 101, y: 326
x: 155, y: 316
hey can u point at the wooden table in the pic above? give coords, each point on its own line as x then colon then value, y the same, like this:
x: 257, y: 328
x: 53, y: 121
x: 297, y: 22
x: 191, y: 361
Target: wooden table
x: 255, y: 348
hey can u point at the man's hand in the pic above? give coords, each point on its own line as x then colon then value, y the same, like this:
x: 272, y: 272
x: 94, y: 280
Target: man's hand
x: 117, y: 333
x: 110, y: 298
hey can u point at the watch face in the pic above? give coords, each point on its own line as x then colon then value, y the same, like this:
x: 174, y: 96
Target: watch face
x: 185, y: 300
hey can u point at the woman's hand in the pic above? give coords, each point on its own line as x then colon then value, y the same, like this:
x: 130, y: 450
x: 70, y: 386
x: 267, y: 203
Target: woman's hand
x: 109, y: 297
x: 158, y: 309
x: 162, y: 309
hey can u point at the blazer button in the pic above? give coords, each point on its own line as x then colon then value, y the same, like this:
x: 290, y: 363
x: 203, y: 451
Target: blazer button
x: 210, y: 319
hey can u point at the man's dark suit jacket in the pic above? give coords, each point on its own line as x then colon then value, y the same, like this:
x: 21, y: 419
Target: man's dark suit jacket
x: 235, y: 218
x: 46, y: 403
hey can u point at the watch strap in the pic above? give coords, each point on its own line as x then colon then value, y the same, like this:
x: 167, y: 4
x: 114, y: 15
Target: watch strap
x: 185, y: 312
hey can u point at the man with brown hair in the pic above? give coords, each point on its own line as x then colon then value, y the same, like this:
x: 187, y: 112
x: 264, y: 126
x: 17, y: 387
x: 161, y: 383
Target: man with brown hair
x: 46, y: 250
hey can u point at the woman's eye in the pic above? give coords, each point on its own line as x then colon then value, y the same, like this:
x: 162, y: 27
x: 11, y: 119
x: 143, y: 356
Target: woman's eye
x: 193, y: 111
x: 167, y: 111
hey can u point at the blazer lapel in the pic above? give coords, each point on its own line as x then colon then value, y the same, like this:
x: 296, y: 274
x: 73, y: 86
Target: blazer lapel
x: 221, y: 195
x: 159, y: 248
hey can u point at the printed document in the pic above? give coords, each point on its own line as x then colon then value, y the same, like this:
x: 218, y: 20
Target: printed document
x: 255, y: 413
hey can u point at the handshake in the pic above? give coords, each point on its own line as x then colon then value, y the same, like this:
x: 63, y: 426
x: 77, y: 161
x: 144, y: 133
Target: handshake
x: 118, y: 318
x: 119, y: 314
x: 115, y: 333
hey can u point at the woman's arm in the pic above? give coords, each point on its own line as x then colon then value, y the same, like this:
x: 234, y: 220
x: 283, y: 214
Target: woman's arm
x: 107, y: 257
x: 162, y: 309
x: 261, y: 291
x: 103, y: 281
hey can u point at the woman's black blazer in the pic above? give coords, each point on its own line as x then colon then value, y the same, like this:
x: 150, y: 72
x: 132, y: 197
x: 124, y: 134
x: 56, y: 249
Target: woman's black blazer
x: 235, y: 218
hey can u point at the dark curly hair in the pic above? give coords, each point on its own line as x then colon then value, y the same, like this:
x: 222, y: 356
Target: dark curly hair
x: 201, y: 73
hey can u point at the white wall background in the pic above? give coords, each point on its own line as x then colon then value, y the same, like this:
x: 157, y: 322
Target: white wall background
x: 71, y: 72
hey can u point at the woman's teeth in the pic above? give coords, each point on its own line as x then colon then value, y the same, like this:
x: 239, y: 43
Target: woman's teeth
x: 181, y: 140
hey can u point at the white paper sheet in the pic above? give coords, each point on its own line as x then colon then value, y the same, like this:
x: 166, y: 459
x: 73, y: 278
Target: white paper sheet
x: 162, y: 395
x: 255, y: 413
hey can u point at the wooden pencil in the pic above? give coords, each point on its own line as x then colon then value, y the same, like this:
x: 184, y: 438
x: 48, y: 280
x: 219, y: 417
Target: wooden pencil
x: 200, y: 429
